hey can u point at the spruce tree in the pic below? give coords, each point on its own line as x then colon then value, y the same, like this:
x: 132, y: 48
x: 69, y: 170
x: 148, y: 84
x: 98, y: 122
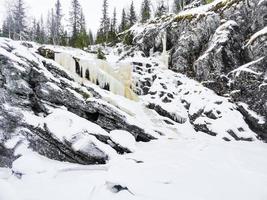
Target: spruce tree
x: 132, y: 15
x: 58, y: 26
x: 43, y: 36
x: 52, y: 28
x: 19, y: 17
x: 33, y: 30
x: 82, y: 39
x: 91, y: 37
x: 113, y: 27
x: 114, y: 21
x: 103, y: 32
x: 8, y: 27
x: 123, y: 25
x: 75, y: 13
x: 145, y: 11
x: 5, y: 29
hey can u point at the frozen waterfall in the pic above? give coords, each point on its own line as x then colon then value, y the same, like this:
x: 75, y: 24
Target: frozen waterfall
x: 117, y: 79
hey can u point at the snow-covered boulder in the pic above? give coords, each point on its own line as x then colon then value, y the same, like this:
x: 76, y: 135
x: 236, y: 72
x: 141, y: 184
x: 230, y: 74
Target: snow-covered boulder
x: 124, y: 139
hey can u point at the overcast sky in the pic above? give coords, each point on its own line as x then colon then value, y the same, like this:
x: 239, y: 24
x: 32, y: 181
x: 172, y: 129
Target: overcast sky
x: 92, y: 9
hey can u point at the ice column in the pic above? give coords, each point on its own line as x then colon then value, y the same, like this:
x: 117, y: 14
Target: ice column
x: 165, y: 55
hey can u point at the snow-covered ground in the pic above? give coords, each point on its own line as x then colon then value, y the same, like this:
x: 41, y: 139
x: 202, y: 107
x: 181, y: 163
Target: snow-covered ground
x: 181, y: 164
x: 177, y: 167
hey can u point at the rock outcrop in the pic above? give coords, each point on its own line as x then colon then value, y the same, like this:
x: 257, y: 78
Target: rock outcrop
x: 222, y: 45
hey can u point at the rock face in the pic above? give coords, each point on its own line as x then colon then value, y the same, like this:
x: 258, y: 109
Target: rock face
x: 223, y: 45
x: 32, y: 89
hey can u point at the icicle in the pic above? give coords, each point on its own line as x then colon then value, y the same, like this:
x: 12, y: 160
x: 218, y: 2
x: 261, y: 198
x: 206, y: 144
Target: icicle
x: 117, y: 80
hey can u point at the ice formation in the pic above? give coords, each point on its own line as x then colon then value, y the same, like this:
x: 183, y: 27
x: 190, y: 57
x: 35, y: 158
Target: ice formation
x: 165, y: 55
x: 116, y: 79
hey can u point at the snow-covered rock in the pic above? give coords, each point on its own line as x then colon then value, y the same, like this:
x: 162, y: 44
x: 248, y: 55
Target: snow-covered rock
x: 37, y: 95
x: 211, y: 42
x: 124, y: 139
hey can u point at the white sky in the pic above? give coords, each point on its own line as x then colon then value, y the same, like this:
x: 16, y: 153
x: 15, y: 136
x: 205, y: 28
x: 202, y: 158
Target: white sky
x: 92, y: 9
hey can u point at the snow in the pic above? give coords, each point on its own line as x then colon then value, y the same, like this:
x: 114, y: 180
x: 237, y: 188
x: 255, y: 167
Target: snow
x: 200, y: 10
x: 260, y: 2
x: 245, y: 68
x: 257, y: 35
x: 188, y: 168
x: 124, y: 139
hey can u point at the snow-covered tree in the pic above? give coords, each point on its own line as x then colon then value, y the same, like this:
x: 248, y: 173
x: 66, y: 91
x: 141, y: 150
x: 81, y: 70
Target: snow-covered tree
x: 145, y: 11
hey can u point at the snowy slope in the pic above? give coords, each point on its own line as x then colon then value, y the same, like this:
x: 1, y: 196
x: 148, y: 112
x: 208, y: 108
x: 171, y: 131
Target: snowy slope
x: 186, y: 168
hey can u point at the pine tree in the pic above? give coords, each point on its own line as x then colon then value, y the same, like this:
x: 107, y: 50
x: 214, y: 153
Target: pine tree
x: 5, y: 29
x: 114, y: 21
x: 145, y: 11
x: 52, y: 28
x: 132, y: 15
x: 124, y: 22
x: 48, y: 27
x: 8, y: 27
x: 82, y: 39
x: 58, y: 26
x: 38, y: 33
x: 42, y: 37
x: 75, y: 20
x: 113, y: 27
x: 33, y: 30
x: 17, y: 20
x: 103, y: 32
x: 91, y: 37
